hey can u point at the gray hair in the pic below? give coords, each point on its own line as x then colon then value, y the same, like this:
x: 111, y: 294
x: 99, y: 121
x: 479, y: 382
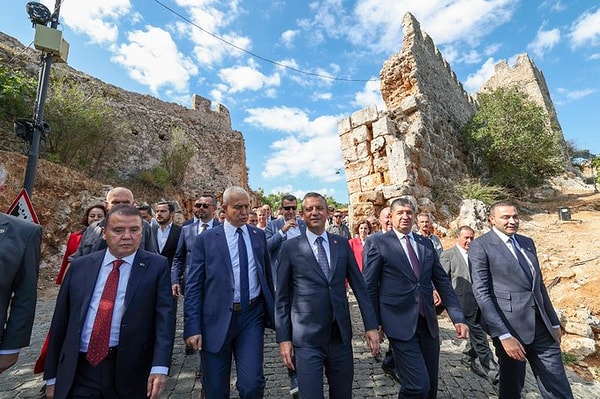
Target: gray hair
x: 234, y: 190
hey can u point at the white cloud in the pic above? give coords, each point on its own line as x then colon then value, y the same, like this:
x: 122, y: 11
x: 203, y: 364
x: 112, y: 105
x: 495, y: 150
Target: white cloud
x: 247, y: 78
x: 287, y: 37
x: 322, y: 96
x: 476, y: 80
x: 371, y: 94
x: 544, y: 41
x: 447, y: 21
x: 586, y: 30
x: 98, y: 20
x: 311, y: 148
x: 152, y: 59
x: 578, y: 94
x: 214, y: 17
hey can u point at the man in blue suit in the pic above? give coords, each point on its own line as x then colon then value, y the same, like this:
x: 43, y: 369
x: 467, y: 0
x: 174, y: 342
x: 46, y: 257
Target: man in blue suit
x: 229, y: 301
x: 312, y: 317
x: 112, y: 331
x: 399, y: 269
x: 204, y: 211
x: 282, y: 229
x: 515, y: 307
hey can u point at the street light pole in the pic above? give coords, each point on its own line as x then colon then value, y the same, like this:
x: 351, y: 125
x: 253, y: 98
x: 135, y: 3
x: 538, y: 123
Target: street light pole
x: 40, y: 104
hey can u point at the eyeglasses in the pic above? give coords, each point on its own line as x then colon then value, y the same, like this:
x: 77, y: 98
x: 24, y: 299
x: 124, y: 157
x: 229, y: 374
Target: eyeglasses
x: 205, y: 206
x: 289, y: 208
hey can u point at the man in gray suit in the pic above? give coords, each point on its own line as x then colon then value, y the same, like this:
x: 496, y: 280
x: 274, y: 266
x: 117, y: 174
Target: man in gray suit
x: 20, y: 243
x: 455, y: 263
x: 92, y: 237
x: 515, y: 307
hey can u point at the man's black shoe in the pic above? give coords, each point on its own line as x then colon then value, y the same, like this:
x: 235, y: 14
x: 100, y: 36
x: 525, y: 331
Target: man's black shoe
x: 474, y: 365
x: 294, y: 392
x: 390, y: 371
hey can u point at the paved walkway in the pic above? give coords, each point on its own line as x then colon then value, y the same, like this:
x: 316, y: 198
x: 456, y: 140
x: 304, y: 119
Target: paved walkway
x: 456, y: 380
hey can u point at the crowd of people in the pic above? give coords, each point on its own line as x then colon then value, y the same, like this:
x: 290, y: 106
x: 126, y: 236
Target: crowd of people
x: 239, y: 270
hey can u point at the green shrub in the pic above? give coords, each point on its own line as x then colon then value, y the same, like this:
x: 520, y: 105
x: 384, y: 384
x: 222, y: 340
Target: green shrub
x: 17, y: 94
x: 176, y: 157
x: 475, y: 189
x: 157, y: 177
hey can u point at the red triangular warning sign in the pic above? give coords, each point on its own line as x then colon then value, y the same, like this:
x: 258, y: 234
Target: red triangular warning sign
x: 22, y: 208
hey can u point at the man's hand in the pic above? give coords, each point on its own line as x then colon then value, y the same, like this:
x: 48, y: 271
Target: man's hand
x: 437, y: 299
x: 381, y: 334
x: 7, y: 361
x: 156, y: 385
x: 513, y: 348
x: 558, y: 332
x: 462, y: 330
x: 50, y: 391
x: 372, y: 337
x: 286, y: 350
x: 195, y: 341
x: 289, y: 224
x: 176, y: 290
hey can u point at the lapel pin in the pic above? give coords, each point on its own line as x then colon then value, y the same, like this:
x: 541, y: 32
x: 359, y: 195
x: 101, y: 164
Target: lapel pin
x: 335, y: 241
x: 142, y: 264
x: 2, y: 231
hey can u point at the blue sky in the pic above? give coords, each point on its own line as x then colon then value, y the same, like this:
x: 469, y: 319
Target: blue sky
x: 289, y: 119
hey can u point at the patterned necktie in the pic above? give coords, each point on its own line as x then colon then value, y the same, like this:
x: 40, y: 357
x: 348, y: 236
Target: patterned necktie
x: 414, y: 261
x: 203, y: 228
x: 322, y: 256
x: 244, y: 280
x: 100, y: 337
x: 521, y: 258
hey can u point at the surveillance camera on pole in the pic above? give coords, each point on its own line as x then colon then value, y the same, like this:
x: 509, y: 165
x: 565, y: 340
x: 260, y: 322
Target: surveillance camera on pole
x: 49, y: 40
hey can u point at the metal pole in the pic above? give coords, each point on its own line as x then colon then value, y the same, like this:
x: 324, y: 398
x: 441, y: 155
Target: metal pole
x: 38, y: 117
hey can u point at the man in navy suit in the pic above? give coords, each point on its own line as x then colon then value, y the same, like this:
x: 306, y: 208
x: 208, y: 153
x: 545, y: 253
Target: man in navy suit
x: 204, y: 211
x: 399, y: 269
x: 312, y: 316
x: 20, y: 248
x: 229, y: 301
x: 165, y: 232
x: 515, y: 307
x: 112, y: 346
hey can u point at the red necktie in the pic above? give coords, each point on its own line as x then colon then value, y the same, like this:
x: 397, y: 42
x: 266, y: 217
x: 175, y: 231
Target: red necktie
x: 100, y: 337
x: 414, y: 261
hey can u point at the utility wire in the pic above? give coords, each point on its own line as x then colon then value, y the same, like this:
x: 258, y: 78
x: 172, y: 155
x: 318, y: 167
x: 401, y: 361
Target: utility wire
x: 319, y: 75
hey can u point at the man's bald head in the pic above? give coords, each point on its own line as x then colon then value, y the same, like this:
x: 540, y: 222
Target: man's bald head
x: 119, y: 195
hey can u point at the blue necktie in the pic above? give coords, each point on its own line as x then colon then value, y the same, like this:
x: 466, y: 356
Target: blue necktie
x: 322, y: 256
x: 243, y: 259
x: 521, y: 258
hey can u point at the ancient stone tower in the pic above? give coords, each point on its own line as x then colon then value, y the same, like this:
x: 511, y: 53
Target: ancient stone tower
x: 413, y: 147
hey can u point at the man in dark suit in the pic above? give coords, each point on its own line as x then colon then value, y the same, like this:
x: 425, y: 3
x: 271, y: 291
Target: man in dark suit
x: 454, y: 261
x: 112, y: 331
x: 229, y: 301
x: 20, y: 244
x: 281, y: 229
x: 399, y: 269
x: 312, y: 317
x: 92, y: 239
x: 515, y: 307
x: 204, y: 211
x: 165, y: 232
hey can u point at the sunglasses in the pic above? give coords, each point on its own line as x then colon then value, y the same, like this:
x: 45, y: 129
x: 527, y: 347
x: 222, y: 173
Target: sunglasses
x: 337, y: 216
x: 289, y: 208
x: 205, y: 206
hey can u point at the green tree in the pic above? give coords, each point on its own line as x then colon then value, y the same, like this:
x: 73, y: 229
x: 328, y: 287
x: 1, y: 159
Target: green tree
x: 84, y: 127
x: 176, y: 156
x: 274, y: 200
x: 510, y: 140
x: 17, y: 94
x: 596, y: 168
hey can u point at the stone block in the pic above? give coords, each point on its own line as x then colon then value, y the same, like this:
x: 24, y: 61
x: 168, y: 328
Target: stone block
x: 362, y: 150
x: 578, y: 346
x: 353, y: 185
x: 370, y: 182
x: 344, y: 125
x: 360, y: 134
x: 397, y: 161
x: 383, y: 126
x: 363, y: 116
x: 377, y: 144
x: 395, y: 191
x: 347, y: 140
x: 579, y: 329
x: 380, y: 164
x: 409, y: 105
x: 358, y: 169
x: 349, y: 154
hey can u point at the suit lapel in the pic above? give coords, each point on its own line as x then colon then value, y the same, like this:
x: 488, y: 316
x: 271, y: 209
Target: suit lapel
x: 404, y: 264
x: 221, y: 243
x: 528, y: 251
x: 171, y: 239
x: 4, y: 227
x: 137, y: 272
x: 504, y: 252
x: 305, y: 249
x: 89, y: 281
